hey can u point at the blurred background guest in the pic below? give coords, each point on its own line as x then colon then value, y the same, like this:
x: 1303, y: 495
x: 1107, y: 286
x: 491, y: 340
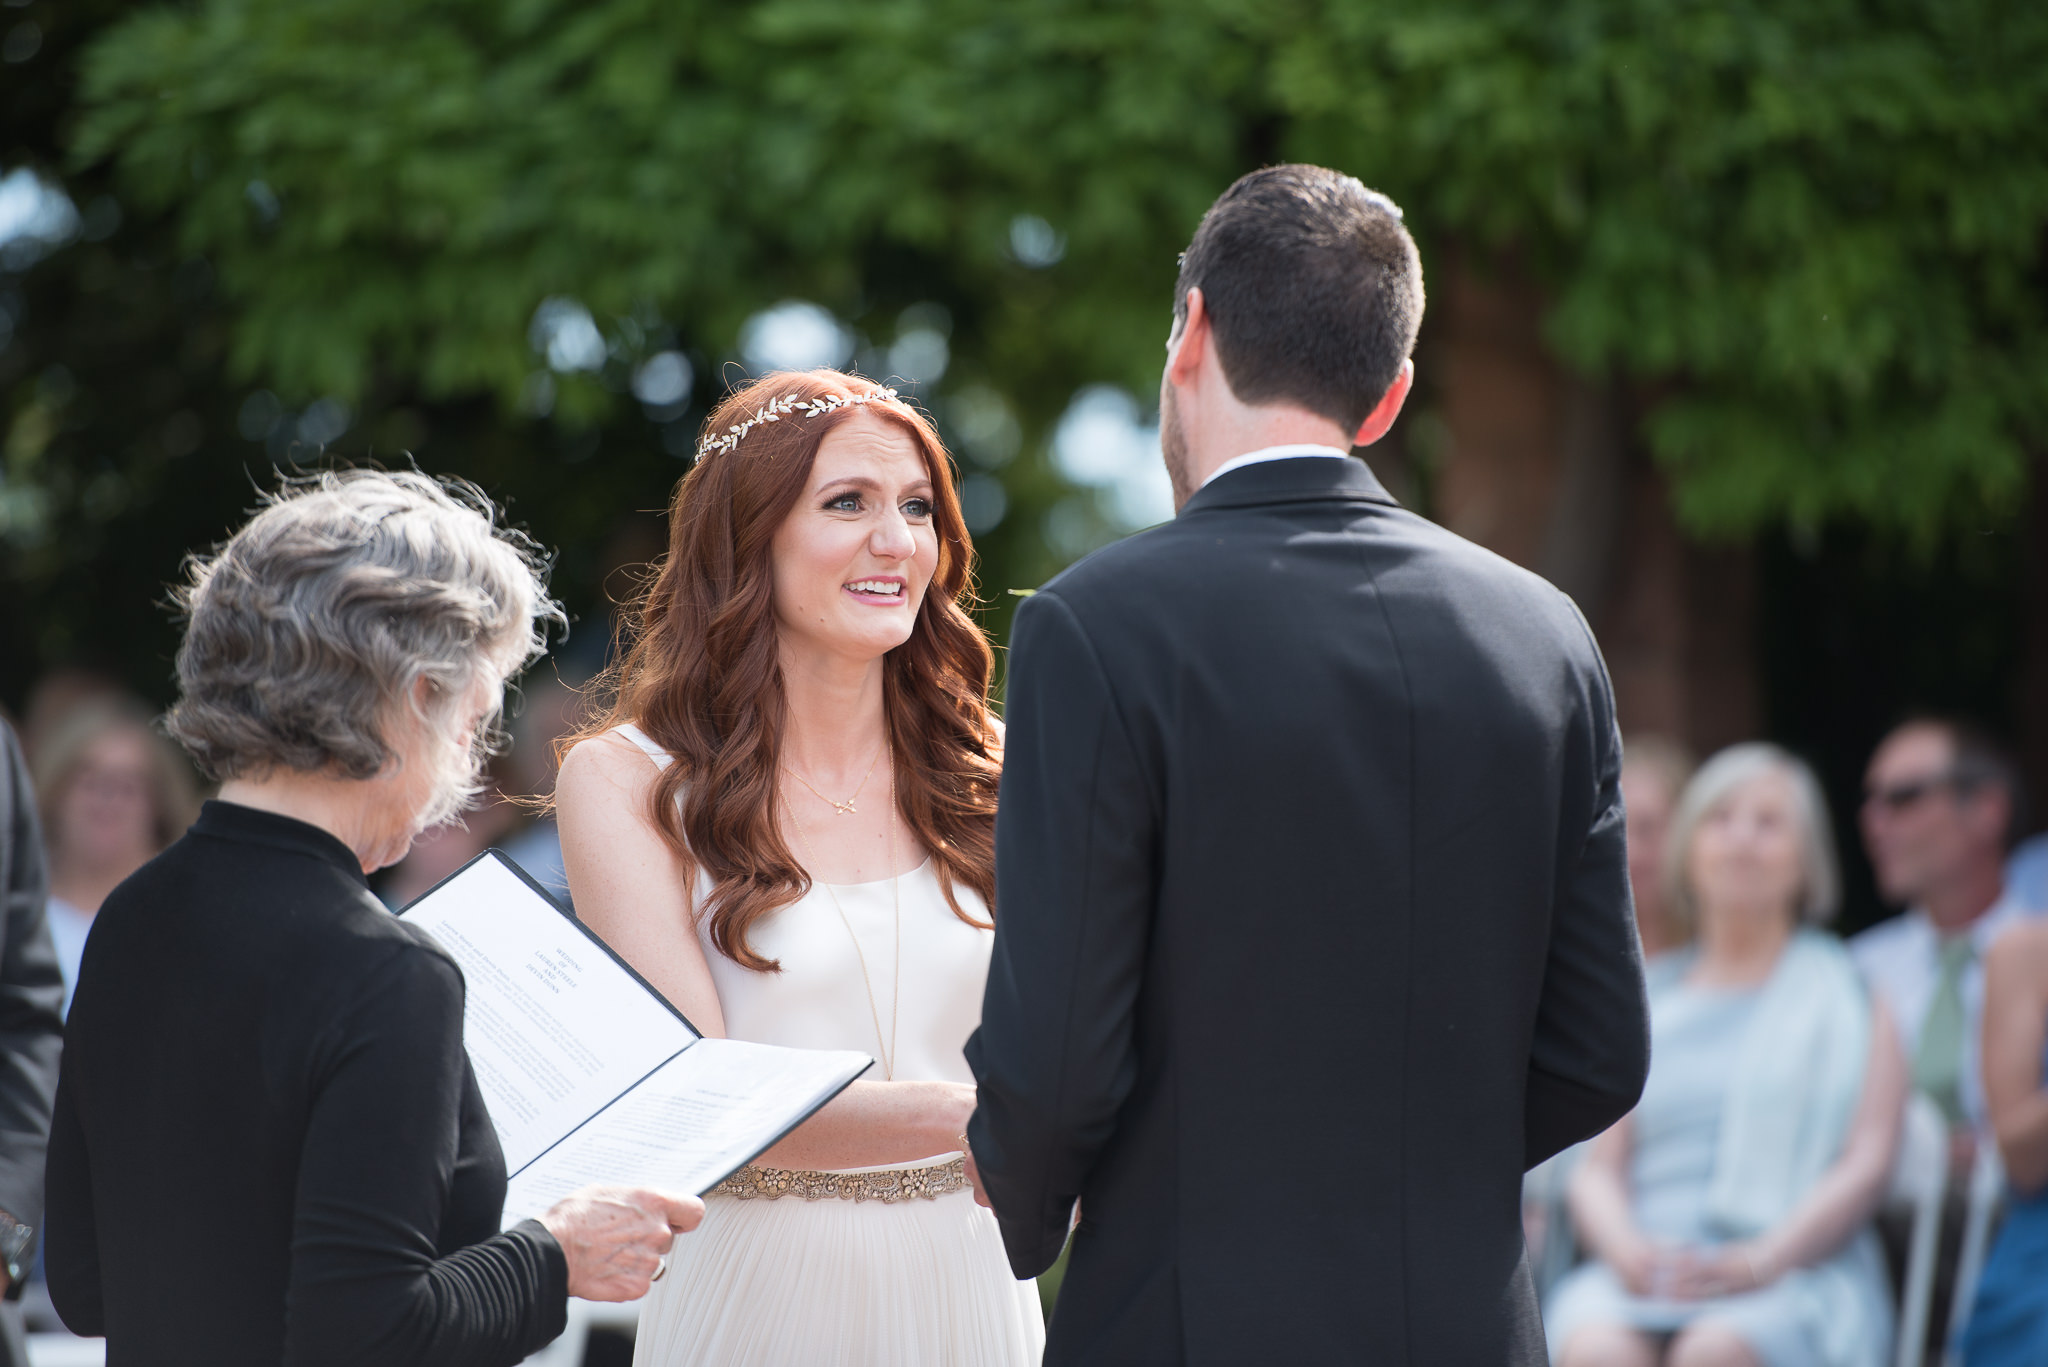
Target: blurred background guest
x: 1942, y: 803
x: 1941, y: 807
x: 505, y: 815
x: 1729, y: 1214
x: 2008, y: 1324
x: 550, y: 710
x: 1654, y: 771
x: 30, y: 1035
x: 268, y: 1143
x: 113, y: 794
x: 2026, y: 875
x: 57, y: 693
x: 440, y: 851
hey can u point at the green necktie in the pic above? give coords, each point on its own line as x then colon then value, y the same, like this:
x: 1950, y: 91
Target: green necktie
x: 1938, y: 1060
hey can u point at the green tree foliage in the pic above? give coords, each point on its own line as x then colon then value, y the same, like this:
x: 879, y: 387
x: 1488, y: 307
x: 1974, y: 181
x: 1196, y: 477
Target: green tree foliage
x: 1814, y: 226
x: 1819, y: 223
x: 1809, y: 234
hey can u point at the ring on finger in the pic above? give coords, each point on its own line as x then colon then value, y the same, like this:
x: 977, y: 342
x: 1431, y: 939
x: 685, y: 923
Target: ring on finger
x: 660, y: 1268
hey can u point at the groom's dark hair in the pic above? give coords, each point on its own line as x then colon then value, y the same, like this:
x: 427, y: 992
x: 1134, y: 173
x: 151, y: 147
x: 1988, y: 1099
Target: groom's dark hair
x: 1313, y: 290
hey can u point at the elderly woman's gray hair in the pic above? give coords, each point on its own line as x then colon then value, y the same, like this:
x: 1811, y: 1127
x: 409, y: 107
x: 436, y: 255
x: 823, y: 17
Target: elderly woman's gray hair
x: 322, y: 616
x: 1820, y: 889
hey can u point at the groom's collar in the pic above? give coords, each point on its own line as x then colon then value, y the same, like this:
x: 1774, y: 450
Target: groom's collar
x: 1300, y: 479
x: 1266, y: 453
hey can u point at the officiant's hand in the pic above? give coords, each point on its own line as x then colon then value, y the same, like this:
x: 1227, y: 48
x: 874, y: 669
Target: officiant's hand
x: 616, y: 1239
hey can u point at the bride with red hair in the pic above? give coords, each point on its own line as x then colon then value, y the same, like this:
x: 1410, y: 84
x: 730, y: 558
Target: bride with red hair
x: 786, y: 823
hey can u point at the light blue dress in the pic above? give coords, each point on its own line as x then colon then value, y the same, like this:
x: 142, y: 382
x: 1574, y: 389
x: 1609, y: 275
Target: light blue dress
x: 1698, y: 1038
x: 2008, y: 1325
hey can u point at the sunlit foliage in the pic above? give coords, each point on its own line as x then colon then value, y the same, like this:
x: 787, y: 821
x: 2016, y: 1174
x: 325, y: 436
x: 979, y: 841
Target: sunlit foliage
x: 1814, y: 226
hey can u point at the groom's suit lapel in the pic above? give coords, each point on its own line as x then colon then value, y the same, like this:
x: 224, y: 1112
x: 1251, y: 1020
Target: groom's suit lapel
x: 1308, y: 479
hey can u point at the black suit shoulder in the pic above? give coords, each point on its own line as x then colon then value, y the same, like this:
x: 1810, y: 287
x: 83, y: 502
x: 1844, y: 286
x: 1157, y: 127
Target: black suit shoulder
x: 1163, y: 572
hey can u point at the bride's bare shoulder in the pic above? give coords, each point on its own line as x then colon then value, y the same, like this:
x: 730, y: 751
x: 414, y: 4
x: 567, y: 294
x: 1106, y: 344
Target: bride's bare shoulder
x: 599, y: 768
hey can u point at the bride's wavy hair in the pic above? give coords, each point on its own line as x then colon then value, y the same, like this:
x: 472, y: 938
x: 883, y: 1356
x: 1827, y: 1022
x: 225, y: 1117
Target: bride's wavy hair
x: 699, y: 672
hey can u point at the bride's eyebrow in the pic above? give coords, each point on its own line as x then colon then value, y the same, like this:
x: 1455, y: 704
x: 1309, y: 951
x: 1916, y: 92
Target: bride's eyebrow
x: 868, y: 484
x: 846, y: 482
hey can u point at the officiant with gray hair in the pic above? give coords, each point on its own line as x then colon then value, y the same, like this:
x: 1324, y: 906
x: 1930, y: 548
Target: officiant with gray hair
x: 269, y: 1145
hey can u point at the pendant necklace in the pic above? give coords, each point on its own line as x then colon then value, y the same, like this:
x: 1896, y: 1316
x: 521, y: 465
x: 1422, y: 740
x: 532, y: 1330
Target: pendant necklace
x: 845, y: 808
x: 896, y: 900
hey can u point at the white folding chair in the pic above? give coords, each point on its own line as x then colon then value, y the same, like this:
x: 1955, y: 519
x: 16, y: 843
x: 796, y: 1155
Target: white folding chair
x: 64, y: 1350
x: 1986, y: 1197
x: 611, y: 1315
x: 585, y: 1316
x: 568, y: 1350
x: 1919, y: 1182
x: 1543, y: 1190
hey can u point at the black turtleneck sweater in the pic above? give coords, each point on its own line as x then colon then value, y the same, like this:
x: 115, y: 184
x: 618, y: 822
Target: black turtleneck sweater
x: 269, y: 1147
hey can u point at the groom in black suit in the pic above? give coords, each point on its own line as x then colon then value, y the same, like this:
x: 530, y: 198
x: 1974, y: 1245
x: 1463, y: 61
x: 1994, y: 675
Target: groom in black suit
x: 1312, y: 917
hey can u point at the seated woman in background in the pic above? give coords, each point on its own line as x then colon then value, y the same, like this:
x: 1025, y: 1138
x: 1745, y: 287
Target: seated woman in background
x: 1729, y: 1214
x: 113, y: 794
x: 2008, y: 1324
x: 1654, y: 771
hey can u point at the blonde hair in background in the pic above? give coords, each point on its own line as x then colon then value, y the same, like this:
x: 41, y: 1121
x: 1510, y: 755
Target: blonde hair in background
x: 1668, y: 759
x: 1820, y: 891
x: 174, y: 797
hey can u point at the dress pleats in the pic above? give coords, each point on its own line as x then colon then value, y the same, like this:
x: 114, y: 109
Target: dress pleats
x: 841, y: 1284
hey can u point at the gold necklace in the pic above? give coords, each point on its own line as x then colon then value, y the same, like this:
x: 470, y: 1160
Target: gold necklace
x: 845, y: 808
x: 896, y: 899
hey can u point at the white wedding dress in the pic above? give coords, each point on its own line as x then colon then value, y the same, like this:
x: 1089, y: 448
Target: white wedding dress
x: 791, y: 1282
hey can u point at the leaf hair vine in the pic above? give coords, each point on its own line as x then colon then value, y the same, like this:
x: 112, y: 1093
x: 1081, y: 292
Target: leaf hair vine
x: 777, y: 409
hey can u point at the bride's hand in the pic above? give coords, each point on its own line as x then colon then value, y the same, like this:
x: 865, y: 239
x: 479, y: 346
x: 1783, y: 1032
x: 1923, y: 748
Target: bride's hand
x: 878, y: 1122
x: 974, y: 1177
x: 950, y: 1106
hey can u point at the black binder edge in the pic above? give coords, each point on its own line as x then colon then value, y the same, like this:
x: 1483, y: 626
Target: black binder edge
x: 568, y: 915
x: 695, y: 1033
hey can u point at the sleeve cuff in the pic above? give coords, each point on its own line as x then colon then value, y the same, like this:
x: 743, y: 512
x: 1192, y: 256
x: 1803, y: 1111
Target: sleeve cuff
x: 552, y: 1314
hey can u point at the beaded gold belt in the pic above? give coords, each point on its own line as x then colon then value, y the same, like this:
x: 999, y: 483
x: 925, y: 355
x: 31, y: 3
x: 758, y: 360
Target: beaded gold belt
x: 891, y: 1184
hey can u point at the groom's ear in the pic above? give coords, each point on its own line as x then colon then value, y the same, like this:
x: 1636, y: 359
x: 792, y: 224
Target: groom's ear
x: 1190, y: 340
x: 1388, y: 408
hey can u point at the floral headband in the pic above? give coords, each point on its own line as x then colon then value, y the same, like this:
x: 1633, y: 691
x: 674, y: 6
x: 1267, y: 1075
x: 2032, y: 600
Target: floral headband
x: 775, y: 410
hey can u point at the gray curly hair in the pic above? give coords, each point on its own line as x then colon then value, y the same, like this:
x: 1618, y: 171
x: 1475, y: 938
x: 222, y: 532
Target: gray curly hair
x: 311, y: 624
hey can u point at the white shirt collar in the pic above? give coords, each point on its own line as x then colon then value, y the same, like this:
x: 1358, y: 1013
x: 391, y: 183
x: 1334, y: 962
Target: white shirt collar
x: 1924, y: 934
x: 1995, y: 921
x: 1274, y: 453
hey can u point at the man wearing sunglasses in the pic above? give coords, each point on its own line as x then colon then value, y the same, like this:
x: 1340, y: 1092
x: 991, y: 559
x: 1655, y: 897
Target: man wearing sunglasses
x: 1941, y: 808
x: 1942, y: 804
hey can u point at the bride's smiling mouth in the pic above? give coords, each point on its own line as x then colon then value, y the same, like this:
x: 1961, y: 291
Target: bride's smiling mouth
x: 879, y: 590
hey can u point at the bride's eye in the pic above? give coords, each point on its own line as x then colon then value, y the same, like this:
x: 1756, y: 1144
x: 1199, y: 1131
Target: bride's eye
x: 919, y: 508
x: 844, y: 503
